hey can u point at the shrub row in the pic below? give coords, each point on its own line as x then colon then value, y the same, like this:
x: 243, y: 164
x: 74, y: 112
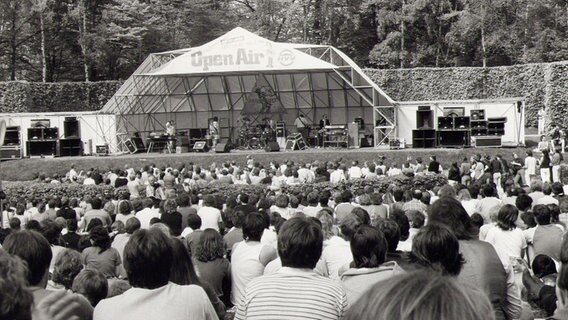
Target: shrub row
x: 31, y: 189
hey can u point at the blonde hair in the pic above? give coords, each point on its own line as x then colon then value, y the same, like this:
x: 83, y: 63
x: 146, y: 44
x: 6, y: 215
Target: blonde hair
x: 421, y: 295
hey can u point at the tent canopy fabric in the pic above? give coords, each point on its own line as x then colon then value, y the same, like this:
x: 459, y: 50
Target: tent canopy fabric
x: 218, y: 79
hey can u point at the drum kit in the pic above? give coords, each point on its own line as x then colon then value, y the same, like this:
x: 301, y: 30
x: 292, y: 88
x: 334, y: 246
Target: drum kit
x: 255, y: 137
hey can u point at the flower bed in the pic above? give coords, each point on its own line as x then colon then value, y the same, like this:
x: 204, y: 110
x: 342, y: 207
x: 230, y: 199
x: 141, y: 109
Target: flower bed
x: 29, y: 189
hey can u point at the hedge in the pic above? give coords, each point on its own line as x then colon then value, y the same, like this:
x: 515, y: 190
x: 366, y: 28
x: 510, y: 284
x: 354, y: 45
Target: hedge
x: 31, y: 189
x: 542, y: 85
x: 21, y: 96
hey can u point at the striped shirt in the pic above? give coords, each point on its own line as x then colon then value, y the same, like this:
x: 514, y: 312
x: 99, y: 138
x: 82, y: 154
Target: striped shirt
x: 292, y: 294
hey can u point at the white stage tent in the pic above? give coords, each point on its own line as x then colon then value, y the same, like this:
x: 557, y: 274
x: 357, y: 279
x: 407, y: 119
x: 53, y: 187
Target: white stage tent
x: 94, y: 128
x: 193, y: 85
x: 513, y: 109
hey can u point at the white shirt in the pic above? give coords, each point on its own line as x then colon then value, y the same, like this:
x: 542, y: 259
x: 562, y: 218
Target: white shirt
x: 355, y: 173
x: 336, y: 254
x: 337, y: 176
x: 169, y: 302
x: 210, y: 218
x: 511, y: 242
x: 547, y: 199
x: 145, y: 215
x: 530, y: 165
x: 88, y: 181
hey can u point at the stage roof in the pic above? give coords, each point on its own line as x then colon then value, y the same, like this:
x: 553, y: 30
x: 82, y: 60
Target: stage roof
x: 220, y: 76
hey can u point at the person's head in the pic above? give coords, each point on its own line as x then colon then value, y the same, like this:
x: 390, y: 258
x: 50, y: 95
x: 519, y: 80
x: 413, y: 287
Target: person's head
x: 391, y: 232
x: 92, y: 284
x: 15, y: 299
x: 477, y: 220
x: 369, y: 247
x: 15, y: 224
x: 51, y: 231
x: 421, y: 295
x: 562, y: 280
x: 254, y: 226
x: 132, y: 225
x: 349, y: 225
x: 447, y: 191
x: 34, y: 249
x: 193, y: 221
x: 488, y: 191
x: 398, y: 194
x: 68, y: 264
x: 147, y: 259
x: 541, y: 214
x: 416, y: 219
x: 362, y: 214
x: 300, y: 243
x: 210, y: 246
x: 124, y: 207
x: 543, y: 266
x: 281, y: 201
x: 507, y: 217
x: 325, y: 216
x: 96, y: 203
x: 100, y: 238
x: 523, y: 202
x: 401, y: 220
x: 450, y: 212
x: 437, y: 248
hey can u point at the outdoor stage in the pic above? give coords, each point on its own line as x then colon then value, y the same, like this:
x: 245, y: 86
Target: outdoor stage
x: 29, y: 169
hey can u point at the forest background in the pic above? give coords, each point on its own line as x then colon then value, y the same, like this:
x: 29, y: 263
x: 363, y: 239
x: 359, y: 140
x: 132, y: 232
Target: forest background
x: 94, y: 40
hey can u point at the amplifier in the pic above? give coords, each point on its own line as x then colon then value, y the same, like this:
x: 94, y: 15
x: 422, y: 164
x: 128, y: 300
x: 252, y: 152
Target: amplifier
x: 102, y: 150
x: 10, y: 153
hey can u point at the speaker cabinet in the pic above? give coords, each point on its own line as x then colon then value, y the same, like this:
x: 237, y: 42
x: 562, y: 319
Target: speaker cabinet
x: 424, y: 138
x: 445, y: 123
x: 272, y: 146
x: 454, y: 139
x: 424, y: 119
x: 477, y: 114
x: 487, y: 141
x: 201, y: 146
x: 70, y: 147
x: 461, y: 123
x: 222, y: 147
x: 71, y: 128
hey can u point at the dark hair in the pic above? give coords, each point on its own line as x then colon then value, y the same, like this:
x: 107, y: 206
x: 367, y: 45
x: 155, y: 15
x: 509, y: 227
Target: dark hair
x: 92, y: 284
x: 416, y: 218
x: 183, y: 200
x: 401, y: 219
x: 397, y: 194
x: 34, y: 249
x: 450, y: 212
x: 96, y: 203
x: 476, y: 220
x: 100, y: 238
x: 369, y: 247
x: 523, y: 202
x: 51, y: 231
x: 95, y: 222
x: 362, y: 214
x: 507, y: 217
x: 254, y: 226
x: 148, y: 256
x: 210, y: 246
x: 182, y: 271
x: 193, y: 221
x: 124, y: 207
x: 132, y: 224
x: 15, y: 224
x: 541, y: 214
x: 391, y: 232
x: 244, y: 198
x: 543, y: 265
x: 529, y: 219
x: 437, y: 248
x: 237, y: 218
x: 300, y: 243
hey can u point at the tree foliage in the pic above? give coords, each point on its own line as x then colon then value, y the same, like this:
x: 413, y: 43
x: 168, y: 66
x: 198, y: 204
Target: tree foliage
x: 78, y: 40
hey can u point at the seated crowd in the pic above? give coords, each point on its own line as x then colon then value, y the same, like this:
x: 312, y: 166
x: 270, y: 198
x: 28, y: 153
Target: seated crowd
x: 487, y: 245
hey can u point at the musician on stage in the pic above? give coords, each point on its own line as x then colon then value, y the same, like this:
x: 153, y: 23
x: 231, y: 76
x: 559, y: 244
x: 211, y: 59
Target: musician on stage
x: 214, y: 130
x: 171, y: 131
x: 324, y: 122
x: 302, y: 126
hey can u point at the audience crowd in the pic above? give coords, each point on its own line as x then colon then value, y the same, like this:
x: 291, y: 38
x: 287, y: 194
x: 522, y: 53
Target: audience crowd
x: 489, y: 244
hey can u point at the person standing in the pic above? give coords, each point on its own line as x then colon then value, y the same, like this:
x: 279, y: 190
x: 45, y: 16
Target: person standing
x: 545, y: 166
x: 530, y: 167
x: 324, y: 122
x: 214, y: 131
x: 541, y: 118
x: 556, y: 161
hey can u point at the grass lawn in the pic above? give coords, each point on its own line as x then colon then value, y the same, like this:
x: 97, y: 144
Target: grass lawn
x: 29, y: 169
